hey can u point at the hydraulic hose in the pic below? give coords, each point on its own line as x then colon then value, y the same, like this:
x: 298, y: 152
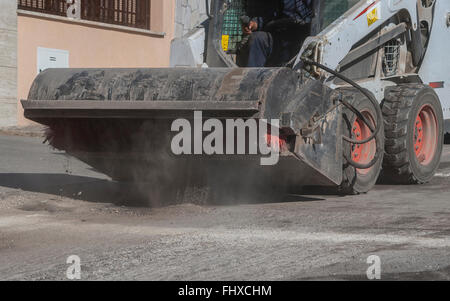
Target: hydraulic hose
x: 374, y: 102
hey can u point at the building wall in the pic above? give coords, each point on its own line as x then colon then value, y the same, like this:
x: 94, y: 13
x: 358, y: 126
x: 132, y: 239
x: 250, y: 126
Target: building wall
x: 8, y: 63
x: 189, y: 14
x: 93, y: 46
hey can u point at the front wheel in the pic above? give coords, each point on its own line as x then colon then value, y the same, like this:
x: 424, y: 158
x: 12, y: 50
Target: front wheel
x: 358, y: 180
x: 414, y: 134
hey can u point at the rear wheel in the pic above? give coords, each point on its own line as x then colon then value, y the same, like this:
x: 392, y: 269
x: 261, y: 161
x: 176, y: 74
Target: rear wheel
x: 414, y: 134
x: 357, y: 180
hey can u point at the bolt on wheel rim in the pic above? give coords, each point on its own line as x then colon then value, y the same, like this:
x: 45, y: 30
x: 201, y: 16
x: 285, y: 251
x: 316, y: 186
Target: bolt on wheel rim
x: 363, y: 153
x: 426, y: 130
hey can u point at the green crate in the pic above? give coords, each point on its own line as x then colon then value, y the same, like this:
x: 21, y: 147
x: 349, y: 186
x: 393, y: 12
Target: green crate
x: 232, y: 24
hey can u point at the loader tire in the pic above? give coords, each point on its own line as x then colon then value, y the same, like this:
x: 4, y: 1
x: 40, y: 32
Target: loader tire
x: 414, y: 131
x: 356, y: 181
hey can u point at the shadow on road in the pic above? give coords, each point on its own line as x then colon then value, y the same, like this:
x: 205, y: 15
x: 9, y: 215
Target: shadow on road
x: 103, y: 191
x: 71, y: 186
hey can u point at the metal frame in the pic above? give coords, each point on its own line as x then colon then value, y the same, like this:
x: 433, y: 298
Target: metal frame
x: 373, y: 44
x: 136, y: 109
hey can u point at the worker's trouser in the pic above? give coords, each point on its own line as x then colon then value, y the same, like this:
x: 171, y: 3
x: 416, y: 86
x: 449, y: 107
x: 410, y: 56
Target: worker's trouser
x: 264, y: 49
x: 260, y: 47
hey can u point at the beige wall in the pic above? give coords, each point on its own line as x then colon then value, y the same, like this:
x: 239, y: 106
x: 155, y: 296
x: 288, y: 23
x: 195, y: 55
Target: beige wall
x: 92, y: 46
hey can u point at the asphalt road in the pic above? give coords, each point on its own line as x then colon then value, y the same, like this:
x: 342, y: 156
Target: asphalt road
x: 53, y: 206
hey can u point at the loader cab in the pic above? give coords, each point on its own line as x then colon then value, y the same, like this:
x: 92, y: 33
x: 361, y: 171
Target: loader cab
x: 225, y: 29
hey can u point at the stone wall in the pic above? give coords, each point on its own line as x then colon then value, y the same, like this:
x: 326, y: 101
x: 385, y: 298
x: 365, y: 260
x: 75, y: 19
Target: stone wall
x: 8, y: 63
x: 188, y: 15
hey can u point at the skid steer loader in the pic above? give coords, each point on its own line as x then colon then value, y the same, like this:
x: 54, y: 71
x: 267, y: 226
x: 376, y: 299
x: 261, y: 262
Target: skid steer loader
x: 366, y: 93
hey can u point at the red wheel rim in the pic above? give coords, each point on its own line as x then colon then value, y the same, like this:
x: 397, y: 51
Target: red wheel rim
x: 363, y: 153
x: 425, y: 138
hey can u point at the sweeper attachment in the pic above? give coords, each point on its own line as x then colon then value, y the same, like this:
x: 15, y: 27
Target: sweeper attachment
x: 120, y: 121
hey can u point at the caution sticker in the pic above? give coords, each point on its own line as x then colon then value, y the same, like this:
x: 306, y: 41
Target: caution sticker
x: 225, y: 42
x: 373, y: 15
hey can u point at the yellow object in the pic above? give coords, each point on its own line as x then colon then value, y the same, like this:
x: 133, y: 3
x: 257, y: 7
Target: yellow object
x: 373, y: 16
x: 225, y: 41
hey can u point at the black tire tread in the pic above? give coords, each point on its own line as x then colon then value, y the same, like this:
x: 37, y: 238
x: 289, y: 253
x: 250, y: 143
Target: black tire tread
x: 396, y: 110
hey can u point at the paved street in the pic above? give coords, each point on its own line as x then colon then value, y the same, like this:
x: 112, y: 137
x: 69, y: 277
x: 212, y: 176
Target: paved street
x: 53, y: 206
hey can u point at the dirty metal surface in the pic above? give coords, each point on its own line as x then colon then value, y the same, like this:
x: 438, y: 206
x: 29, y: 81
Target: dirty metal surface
x: 166, y: 84
x: 110, y: 110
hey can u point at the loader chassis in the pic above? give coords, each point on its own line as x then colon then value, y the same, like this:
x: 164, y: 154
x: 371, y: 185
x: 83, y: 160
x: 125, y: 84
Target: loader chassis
x: 118, y: 120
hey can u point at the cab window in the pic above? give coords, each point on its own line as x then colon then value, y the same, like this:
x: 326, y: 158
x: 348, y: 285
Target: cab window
x: 333, y: 9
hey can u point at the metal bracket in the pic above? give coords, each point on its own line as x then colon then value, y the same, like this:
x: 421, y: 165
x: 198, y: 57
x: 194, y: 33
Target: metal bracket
x: 312, y: 131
